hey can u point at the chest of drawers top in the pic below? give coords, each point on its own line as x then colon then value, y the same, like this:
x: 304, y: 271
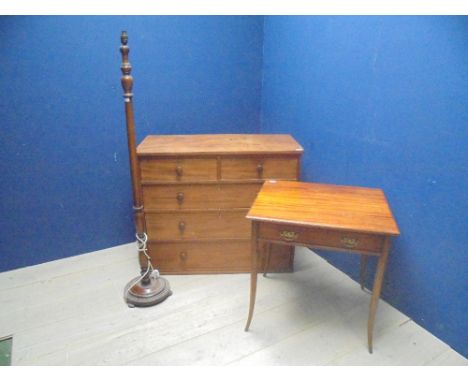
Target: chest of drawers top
x: 218, y: 158
x: 218, y: 144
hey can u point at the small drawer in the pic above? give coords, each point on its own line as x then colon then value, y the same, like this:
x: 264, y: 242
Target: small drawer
x: 178, y: 169
x: 195, y: 196
x: 197, y: 225
x: 322, y: 238
x: 193, y: 257
x: 259, y: 168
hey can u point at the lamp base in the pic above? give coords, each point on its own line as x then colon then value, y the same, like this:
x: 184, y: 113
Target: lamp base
x: 153, y: 291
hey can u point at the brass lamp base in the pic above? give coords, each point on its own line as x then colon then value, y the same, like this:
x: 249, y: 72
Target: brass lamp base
x: 148, y: 291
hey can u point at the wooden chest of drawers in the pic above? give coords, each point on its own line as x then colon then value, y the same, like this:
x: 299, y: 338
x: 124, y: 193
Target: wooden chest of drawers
x: 197, y: 190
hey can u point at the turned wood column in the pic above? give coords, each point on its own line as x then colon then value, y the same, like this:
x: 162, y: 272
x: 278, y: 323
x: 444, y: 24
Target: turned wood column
x: 127, y: 85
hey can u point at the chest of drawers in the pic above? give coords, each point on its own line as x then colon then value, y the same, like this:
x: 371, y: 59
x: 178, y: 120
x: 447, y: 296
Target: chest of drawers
x: 197, y: 190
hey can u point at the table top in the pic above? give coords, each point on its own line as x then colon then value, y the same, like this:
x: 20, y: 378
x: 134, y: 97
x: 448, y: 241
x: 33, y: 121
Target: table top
x: 324, y: 206
x: 212, y: 144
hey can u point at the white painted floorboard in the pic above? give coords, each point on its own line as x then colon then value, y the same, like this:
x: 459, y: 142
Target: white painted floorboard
x: 71, y: 312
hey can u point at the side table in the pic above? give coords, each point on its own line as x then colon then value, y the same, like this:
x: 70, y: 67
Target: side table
x: 322, y: 216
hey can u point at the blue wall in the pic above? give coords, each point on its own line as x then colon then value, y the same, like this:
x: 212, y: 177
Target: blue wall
x: 65, y: 184
x: 383, y: 102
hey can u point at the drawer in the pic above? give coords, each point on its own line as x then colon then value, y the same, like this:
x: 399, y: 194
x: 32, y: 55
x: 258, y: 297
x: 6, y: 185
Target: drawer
x: 191, y: 196
x: 215, y: 257
x: 198, y: 225
x: 178, y: 169
x: 284, y: 167
x: 192, y: 257
x: 322, y: 238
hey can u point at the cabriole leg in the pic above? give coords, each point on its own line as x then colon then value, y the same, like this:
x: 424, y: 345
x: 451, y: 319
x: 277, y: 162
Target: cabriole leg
x: 363, y: 270
x: 253, y: 274
x: 376, y: 291
x: 267, y: 258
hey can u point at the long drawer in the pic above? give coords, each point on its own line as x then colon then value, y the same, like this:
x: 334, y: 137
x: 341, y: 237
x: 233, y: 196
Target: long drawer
x: 201, y: 225
x: 214, y: 257
x: 199, y: 196
x: 182, y: 257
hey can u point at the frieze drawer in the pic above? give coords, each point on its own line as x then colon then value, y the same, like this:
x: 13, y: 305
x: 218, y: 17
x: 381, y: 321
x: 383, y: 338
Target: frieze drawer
x: 321, y: 238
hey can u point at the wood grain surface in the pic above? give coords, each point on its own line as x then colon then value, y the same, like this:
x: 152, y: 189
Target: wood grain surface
x: 197, y: 190
x: 168, y: 145
x: 324, y: 205
x: 199, y: 196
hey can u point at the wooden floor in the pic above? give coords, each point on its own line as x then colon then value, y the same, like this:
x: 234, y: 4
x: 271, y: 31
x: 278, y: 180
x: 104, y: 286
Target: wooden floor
x: 71, y: 312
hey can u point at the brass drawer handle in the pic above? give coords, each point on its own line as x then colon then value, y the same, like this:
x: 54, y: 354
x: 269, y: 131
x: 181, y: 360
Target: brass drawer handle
x: 180, y: 197
x: 289, y: 235
x: 349, y: 242
x: 181, y: 226
x: 183, y: 255
x: 260, y: 170
x: 179, y: 171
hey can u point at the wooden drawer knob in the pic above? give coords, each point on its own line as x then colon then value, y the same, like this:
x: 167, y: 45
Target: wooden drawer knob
x: 260, y: 170
x: 183, y: 255
x: 181, y: 226
x: 179, y: 171
x: 180, y: 197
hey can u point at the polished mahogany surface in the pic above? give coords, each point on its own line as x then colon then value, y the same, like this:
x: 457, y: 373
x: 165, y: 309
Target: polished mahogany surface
x: 197, y: 190
x: 168, y: 145
x: 324, y: 206
x: 324, y: 216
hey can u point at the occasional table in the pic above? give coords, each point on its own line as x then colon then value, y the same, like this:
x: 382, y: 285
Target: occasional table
x: 323, y: 216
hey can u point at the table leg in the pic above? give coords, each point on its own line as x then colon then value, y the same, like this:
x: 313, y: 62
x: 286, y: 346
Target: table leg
x: 363, y: 270
x: 381, y: 265
x: 253, y: 273
x: 267, y: 258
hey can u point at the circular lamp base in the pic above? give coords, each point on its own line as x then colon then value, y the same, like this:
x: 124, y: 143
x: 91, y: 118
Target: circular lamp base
x: 142, y: 295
